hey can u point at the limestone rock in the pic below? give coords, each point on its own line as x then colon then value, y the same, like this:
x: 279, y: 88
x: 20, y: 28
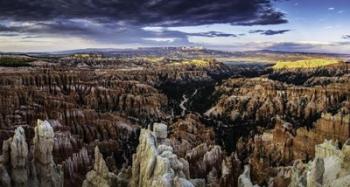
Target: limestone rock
x: 5, y: 179
x: 19, y: 158
x: 230, y: 170
x: 315, y: 177
x: 298, y: 174
x: 48, y: 174
x: 100, y: 175
x: 15, y: 159
x: 76, y: 166
x: 17, y: 170
x: 244, y: 179
x: 160, y: 130
x: 328, y: 169
x: 341, y: 182
x: 189, y: 132
x: 157, y: 165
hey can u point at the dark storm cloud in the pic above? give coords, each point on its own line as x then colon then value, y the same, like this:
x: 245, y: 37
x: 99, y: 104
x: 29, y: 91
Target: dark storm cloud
x: 102, y: 32
x: 81, y: 27
x: 121, y: 21
x: 146, y: 12
x: 63, y: 27
x: 346, y: 37
x: 269, y: 32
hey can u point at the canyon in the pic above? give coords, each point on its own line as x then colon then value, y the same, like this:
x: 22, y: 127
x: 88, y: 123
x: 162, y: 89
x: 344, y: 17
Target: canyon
x: 98, y: 122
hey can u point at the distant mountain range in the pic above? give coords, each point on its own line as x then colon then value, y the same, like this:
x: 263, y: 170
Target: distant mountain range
x: 182, y: 52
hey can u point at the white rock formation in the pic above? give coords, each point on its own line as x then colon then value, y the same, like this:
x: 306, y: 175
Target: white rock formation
x: 327, y: 149
x: 100, y: 175
x: 19, y: 158
x: 330, y: 167
x: 157, y: 165
x: 48, y: 174
x: 154, y: 164
x: 298, y: 174
x: 244, y: 179
x: 17, y: 170
x: 14, y: 161
x: 315, y: 176
x: 160, y: 130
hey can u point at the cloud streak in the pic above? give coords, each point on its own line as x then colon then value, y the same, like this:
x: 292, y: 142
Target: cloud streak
x: 269, y: 32
x: 211, y: 34
x: 342, y: 47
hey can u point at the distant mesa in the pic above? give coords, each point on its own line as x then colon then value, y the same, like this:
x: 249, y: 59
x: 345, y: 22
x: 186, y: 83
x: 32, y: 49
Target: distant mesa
x: 87, y: 55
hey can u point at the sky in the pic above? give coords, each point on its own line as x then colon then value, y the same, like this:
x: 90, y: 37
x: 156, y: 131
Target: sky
x: 230, y: 25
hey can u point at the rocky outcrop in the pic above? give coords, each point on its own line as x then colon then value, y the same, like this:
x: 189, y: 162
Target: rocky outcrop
x: 20, y: 167
x: 100, y: 176
x: 315, y: 175
x: 48, y: 173
x: 329, y: 168
x: 194, y: 141
x: 155, y: 164
x: 283, y: 145
x: 244, y: 179
x: 205, y: 161
x: 189, y: 132
x: 75, y: 167
x: 336, y: 127
x: 15, y: 157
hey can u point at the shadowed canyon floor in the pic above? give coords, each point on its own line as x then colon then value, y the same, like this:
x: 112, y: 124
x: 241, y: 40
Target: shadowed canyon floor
x: 163, y: 122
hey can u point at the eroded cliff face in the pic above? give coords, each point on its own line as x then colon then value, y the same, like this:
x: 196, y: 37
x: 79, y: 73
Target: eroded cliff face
x: 79, y: 96
x: 329, y: 168
x: 20, y: 167
x: 258, y: 100
x: 189, y: 132
x: 284, y: 121
x: 196, y: 142
x: 73, y: 95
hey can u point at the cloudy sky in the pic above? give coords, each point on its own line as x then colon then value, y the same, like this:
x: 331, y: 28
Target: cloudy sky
x: 233, y: 25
